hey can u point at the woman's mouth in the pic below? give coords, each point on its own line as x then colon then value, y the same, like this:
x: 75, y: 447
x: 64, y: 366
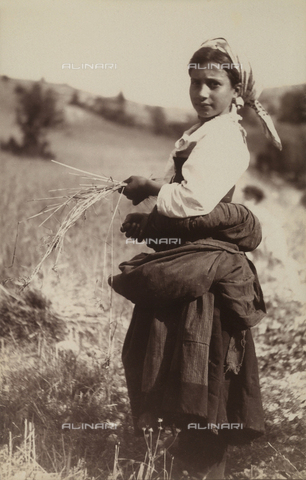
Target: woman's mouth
x: 204, y: 105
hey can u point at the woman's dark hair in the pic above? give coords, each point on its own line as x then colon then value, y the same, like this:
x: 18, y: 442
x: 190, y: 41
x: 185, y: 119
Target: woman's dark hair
x: 211, y: 55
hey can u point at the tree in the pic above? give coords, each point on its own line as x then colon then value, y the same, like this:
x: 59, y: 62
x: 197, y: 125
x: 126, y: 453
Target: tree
x: 159, y: 121
x: 293, y: 106
x: 36, y: 112
x: 75, y: 100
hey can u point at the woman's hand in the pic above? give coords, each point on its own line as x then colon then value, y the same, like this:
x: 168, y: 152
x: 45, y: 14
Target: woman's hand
x: 136, y: 189
x: 139, y: 188
x: 134, y: 225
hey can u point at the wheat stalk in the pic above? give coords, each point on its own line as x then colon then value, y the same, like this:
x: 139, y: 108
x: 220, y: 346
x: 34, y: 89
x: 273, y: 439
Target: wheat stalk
x: 82, y: 199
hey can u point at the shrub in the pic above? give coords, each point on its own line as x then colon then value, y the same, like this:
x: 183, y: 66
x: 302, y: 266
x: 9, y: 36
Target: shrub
x: 36, y: 112
x: 293, y: 106
x: 25, y: 316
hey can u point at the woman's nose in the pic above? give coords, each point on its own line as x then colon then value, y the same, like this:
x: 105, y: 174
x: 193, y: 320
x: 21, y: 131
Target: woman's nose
x: 204, y: 92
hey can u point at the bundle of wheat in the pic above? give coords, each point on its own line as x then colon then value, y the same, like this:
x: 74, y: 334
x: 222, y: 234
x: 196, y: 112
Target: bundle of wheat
x: 80, y: 200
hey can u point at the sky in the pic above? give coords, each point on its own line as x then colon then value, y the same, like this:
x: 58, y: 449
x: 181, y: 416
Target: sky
x: 149, y: 41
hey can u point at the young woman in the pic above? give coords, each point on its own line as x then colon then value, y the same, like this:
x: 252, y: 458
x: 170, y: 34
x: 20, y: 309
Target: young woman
x: 189, y: 356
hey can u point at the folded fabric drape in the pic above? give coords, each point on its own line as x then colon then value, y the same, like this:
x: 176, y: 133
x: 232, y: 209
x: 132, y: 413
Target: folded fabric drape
x: 188, y: 272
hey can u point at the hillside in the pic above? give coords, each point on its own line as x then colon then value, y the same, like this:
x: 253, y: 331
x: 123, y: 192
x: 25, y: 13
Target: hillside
x: 140, y: 115
x: 283, y: 103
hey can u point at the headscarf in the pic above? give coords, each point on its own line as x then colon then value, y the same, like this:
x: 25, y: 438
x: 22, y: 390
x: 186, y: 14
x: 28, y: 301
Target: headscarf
x: 248, y: 94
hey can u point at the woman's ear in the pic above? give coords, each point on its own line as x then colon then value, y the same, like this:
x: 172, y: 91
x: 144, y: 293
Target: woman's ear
x: 237, y: 89
x: 237, y: 99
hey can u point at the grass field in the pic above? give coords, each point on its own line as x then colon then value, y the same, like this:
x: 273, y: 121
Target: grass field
x: 46, y: 391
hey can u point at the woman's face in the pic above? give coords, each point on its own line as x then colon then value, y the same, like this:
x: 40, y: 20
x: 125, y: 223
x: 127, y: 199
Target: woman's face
x: 211, y: 92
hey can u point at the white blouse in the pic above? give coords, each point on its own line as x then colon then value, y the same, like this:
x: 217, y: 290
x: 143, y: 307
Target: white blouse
x: 219, y: 158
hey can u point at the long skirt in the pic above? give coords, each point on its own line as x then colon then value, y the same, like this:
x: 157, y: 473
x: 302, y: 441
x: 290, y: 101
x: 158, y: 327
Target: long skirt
x: 186, y: 383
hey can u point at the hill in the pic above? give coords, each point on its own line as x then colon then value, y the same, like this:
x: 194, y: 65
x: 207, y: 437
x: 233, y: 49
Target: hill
x: 284, y: 104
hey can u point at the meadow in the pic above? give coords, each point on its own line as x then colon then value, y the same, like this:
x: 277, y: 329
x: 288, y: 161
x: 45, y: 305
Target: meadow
x: 41, y: 389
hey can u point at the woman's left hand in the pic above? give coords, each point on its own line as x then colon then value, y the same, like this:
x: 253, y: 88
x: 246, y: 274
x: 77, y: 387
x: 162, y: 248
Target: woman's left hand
x: 134, y: 225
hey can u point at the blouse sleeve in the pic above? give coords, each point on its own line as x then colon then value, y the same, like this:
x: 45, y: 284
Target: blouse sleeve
x: 214, y: 166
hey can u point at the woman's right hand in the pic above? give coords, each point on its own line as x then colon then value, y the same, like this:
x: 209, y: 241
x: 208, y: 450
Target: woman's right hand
x: 136, y: 189
x: 139, y: 188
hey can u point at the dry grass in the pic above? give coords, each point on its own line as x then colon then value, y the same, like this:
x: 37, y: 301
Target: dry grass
x: 40, y: 392
x: 75, y: 292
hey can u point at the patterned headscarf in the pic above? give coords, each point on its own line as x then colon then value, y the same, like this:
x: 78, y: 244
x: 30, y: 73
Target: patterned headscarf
x: 248, y: 95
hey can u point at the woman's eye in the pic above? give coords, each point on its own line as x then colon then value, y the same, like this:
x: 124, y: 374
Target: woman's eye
x: 214, y: 84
